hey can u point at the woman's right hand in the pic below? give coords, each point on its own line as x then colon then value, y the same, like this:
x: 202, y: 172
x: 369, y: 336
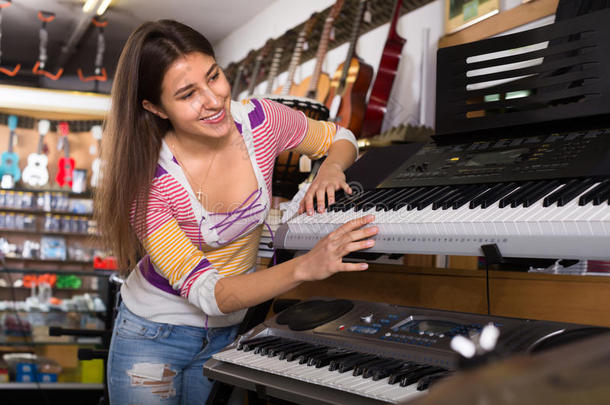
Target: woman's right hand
x: 326, y: 257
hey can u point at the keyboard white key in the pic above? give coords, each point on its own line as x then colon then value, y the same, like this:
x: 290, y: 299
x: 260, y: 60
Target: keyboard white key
x: 366, y: 387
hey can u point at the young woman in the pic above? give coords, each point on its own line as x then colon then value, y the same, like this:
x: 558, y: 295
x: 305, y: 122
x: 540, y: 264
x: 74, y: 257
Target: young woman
x: 186, y: 188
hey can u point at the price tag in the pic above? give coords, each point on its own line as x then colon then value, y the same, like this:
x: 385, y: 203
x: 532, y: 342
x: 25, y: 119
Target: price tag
x: 304, y: 164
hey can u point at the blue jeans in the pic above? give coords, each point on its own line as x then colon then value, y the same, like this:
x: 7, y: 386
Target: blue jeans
x: 158, y: 363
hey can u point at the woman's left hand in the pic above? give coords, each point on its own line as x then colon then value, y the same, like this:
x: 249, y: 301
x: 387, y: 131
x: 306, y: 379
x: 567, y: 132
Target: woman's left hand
x: 329, y: 179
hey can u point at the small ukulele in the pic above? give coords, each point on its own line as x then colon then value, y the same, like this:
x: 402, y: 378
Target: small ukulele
x: 9, y: 167
x: 36, y: 173
x: 96, y: 131
x: 65, y: 165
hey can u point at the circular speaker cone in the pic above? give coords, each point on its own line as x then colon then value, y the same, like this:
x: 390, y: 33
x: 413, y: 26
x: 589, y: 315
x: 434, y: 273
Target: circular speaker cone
x: 311, y: 314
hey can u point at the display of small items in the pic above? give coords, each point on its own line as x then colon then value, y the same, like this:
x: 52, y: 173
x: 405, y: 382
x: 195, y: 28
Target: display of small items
x: 45, y: 201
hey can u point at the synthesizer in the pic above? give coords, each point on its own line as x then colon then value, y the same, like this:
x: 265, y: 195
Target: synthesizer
x: 334, y: 351
x: 543, y: 196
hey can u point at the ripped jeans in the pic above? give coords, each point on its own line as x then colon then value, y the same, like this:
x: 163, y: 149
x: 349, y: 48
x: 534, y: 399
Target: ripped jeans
x: 158, y: 363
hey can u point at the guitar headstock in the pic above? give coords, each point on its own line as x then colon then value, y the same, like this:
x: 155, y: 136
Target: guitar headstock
x: 64, y: 128
x: 334, y: 12
x: 43, y: 127
x: 265, y: 50
x: 96, y: 131
x: 12, y: 122
x: 309, y: 25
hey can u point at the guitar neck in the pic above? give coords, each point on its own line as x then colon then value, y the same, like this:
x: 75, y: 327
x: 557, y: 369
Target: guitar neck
x: 294, y: 62
x: 393, y: 34
x: 11, y: 140
x: 254, y: 76
x: 275, y: 65
x: 353, y: 39
x: 321, y: 54
x: 40, y: 144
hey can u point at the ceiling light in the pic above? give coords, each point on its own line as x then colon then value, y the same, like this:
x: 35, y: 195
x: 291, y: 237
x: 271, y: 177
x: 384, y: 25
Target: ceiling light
x: 89, y: 5
x: 102, y: 8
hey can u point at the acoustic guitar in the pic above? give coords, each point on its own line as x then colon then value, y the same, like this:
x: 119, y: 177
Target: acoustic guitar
x: 388, y: 66
x: 36, y: 173
x: 347, y: 97
x: 9, y: 166
x: 295, y: 60
x: 317, y: 85
x: 66, y: 164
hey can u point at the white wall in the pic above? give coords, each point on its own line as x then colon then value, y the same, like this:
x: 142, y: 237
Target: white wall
x: 407, y: 91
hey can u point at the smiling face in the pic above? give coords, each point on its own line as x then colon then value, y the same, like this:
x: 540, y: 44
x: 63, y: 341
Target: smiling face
x: 196, y: 98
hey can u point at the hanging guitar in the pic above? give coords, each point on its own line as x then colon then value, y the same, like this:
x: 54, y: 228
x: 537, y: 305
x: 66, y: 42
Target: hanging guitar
x: 36, y: 173
x: 43, y: 35
x: 388, y: 66
x: 99, y: 72
x: 295, y: 60
x: 9, y: 166
x: 275, y: 66
x: 317, y: 85
x: 96, y: 131
x: 347, y: 97
x: 236, y: 87
x: 65, y: 165
x: 257, y: 66
x: 6, y: 71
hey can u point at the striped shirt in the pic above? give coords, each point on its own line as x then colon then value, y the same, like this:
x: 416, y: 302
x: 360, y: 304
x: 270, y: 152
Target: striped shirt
x: 189, y: 249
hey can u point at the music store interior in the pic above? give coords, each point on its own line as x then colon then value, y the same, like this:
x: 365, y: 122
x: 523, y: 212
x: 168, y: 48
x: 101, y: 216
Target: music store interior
x: 483, y: 134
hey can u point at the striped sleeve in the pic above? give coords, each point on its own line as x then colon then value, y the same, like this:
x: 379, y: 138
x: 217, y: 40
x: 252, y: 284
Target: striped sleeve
x: 171, y: 252
x: 294, y: 130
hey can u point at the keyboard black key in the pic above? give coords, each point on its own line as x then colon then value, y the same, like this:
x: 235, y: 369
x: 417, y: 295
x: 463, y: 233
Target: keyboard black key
x: 361, y: 368
x: 379, y: 198
x: 302, y: 359
x: 385, y: 372
x: 293, y: 355
x: 493, y: 194
x: 387, y: 205
x: 440, y: 193
x: 283, y: 353
x: 417, y: 374
x: 469, y: 195
x: 278, y: 350
x: 323, y: 361
x: 537, y: 193
x: 455, y: 190
x: 250, y: 344
x: 258, y: 349
x: 508, y: 200
x: 347, y: 364
x: 387, y: 364
x: 598, y: 190
x: 572, y: 192
x: 425, y: 192
x: 554, y: 196
x: 334, y: 364
x: 408, y: 368
x: 427, y: 381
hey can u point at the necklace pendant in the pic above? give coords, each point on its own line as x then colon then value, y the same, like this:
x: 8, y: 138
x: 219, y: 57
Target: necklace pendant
x: 199, y: 194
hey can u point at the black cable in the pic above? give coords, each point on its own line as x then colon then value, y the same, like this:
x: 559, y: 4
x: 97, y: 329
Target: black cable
x: 28, y: 342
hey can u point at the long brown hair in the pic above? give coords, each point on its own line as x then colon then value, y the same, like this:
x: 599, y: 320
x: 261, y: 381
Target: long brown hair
x: 133, y: 135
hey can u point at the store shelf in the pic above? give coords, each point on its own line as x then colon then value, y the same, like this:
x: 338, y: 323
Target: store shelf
x: 43, y: 212
x: 92, y: 272
x: 86, y: 194
x: 26, y: 260
x: 51, y: 386
x: 50, y: 233
x: 12, y: 345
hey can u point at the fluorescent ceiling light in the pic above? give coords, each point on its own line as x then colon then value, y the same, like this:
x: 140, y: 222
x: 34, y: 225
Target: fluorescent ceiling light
x: 89, y: 5
x: 102, y: 8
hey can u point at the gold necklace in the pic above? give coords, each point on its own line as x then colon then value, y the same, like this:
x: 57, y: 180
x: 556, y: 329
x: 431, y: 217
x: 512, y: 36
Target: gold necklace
x: 199, y: 185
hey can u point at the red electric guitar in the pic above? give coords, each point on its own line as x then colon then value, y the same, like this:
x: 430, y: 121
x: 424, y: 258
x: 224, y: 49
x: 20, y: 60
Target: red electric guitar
x: 380, y: 93
x: 65, y: 165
